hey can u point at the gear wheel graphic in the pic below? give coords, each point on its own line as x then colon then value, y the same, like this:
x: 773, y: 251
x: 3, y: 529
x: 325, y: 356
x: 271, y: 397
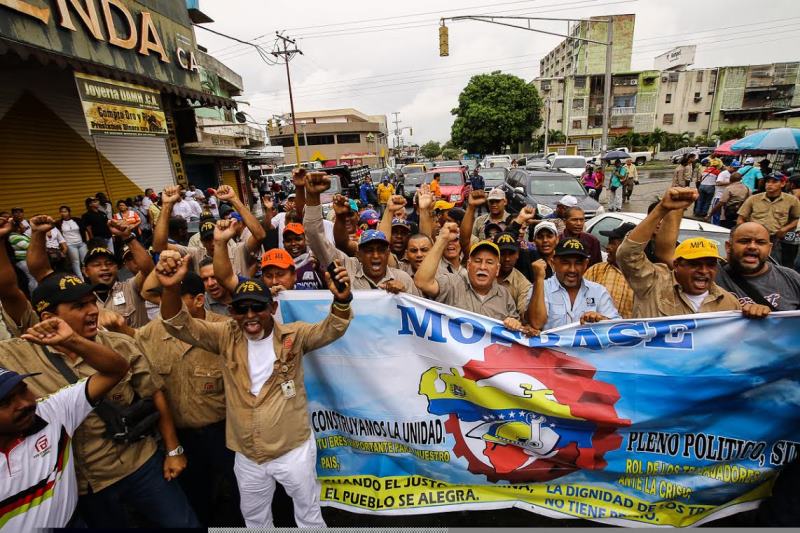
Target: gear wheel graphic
x: 573, y: 382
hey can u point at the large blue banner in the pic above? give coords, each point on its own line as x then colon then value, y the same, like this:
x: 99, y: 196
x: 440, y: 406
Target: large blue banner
x: 422, y: 408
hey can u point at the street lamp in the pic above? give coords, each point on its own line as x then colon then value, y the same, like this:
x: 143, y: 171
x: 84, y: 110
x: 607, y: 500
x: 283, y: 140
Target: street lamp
x: 444, y: 49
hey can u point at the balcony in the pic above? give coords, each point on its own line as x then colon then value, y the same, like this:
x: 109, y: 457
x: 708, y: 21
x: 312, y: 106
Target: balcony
x: 622, y: 111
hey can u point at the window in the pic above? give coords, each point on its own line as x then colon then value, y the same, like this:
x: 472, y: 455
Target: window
x: 348, y: 138
x: 692, y: 117
x: 576, y: 124
x: 669, y: 118
x: 697, y: 97
x: 668, y: 98
x: 320, y: 139
x: 606, y: 224
x: 580, y: 82
x: 699, y: 75
x: 577, y: 103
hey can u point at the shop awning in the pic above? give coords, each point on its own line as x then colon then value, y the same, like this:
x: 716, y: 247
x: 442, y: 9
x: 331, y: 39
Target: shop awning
x: 233, y: 153
x: 26, y: 52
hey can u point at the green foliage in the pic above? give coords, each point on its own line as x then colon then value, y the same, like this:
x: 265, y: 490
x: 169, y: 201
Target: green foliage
x: 556, y: 137
x: 726, y: 134
x: 628, y: 140
x: 451, y: 153
x: 495, y: 110
x: 430, y: 149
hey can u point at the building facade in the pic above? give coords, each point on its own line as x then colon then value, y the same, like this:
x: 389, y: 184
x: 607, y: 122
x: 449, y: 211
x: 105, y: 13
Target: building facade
x: 92, y: 99
x: 337, y: 136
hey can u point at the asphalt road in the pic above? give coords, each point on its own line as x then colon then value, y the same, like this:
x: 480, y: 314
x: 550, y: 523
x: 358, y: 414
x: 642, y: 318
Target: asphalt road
x: 652, y: 183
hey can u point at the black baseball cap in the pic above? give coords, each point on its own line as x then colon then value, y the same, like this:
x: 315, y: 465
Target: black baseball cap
x: 98, y: 251
x: 192, y: 284
x: 10, y: 379
x: 207, y: 230
x: 252, y: 290
x: 570, y: 247
x: 506, y: 241
x: 57, y: 289
x: 619, y: 232
x: 456, y: 214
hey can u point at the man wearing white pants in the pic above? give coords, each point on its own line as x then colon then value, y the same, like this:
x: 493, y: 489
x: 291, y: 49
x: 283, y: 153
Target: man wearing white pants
x: 266, y: 409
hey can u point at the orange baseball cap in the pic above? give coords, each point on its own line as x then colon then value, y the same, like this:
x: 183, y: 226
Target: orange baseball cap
x: 277, y: 257
x: 295, y: 228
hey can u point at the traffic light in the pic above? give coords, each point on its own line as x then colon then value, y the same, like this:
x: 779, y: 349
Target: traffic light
x: 444, y: 43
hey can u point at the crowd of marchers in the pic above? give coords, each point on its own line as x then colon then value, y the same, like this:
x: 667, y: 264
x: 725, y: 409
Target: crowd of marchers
x: 171, y: 390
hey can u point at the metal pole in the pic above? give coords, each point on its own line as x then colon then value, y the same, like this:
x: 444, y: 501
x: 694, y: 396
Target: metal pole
x: 546, y: 124
x: 291, y: 105
x: 607, y: 88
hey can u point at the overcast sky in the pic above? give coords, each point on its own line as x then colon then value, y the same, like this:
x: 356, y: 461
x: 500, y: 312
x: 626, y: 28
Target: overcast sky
x: 380, y: 57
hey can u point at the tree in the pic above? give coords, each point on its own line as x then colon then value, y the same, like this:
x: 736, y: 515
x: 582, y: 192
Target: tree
x: 430, y: 149
x: 657, y: 137
x: 451, y: 153
x: 556, y: 137
x: 726, y: 134
x: 495, y: 110
x: 628, y: 139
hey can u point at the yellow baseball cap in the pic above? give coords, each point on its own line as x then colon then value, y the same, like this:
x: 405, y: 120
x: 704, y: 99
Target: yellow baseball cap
x: 697, y: 248
x: 442, y: 205
x: 484, y: 244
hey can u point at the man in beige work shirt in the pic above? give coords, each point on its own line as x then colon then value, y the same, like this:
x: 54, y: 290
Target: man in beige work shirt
x: 476, y: 291
x: 110, y: 472
x: 195, y: 392
x: 689, y: 286
x: 101, y: 270
x: 509, y: 277
x: 370, y: 269
x: 267, y: 416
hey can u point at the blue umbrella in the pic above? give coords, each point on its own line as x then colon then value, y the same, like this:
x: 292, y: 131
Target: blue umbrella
x: 778, y: 139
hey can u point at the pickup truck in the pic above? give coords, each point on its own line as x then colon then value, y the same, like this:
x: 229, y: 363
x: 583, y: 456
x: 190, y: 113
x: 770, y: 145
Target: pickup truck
x: 639, y: 158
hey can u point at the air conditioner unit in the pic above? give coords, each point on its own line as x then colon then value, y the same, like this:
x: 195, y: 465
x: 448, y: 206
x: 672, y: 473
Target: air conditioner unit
x: 698, y: 99
x: 664, y: 79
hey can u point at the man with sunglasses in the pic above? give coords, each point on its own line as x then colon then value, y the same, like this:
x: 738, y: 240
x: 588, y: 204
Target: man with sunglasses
x: 267, y: 417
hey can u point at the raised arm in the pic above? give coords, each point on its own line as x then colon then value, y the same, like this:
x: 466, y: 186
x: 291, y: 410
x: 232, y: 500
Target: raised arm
x: 169, y: 197
x: 537, y: 310
x: 425, y: 278
x: 141, y: 257
x: 150, y: 288
x: 111, y: 367
x: 667, y: 236
x: 316, y: 183
x: 257, y: 232
x: 11, y: 296
x: 341, y: 208
x: 223, y: 268
x: 37, y: 260
x: 675, y: 199
x: 477, y: 197
x: 299, y: 181
x: 425, y: 201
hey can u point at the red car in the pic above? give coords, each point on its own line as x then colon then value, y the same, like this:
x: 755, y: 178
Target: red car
x: 454, y: 182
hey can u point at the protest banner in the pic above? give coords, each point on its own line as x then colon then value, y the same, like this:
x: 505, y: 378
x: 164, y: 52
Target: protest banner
x: 424, y: 408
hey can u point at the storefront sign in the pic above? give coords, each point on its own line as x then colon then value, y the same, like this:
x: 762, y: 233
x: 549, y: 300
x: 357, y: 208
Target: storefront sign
x: 117, y: 108
x: 123, y: 34
x: 174, y: 148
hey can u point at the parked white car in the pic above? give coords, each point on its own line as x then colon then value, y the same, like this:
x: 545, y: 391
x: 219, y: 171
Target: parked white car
x: 497, y: 160
x: 572, y: 164
x: 689, y: 228
x: 639, y: 158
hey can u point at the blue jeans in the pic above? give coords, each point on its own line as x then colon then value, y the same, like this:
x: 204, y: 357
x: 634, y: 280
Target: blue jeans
x: 147, y: 492
x: 703, y: 202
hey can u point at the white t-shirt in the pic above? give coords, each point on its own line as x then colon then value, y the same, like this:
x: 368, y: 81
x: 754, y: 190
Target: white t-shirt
x: 71, y: 231
x: 260, y: 360
x: 723, y: 180
x: 279, y: 222
x: 696, y: 300
x: 182, y: 209
x: 53, y: 239
x: 213, y: 206
x: 44, y: 458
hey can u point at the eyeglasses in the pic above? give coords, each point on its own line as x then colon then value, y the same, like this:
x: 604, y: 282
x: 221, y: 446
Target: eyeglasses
x: 243, y: 308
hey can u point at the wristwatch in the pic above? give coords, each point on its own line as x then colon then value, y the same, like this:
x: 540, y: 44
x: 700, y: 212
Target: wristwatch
x: 176, y: 452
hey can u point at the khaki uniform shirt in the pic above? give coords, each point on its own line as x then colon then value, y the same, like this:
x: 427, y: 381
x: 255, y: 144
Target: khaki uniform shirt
x: 192, y: 376
x: 481, y: 221
x: 237, y: 251
x: 124, y: 298
x: 100, y: 462
x: 266, y: 426
x: 456, y: 290
x: 520, y: 289
x: 656, y: 292
x: 615, y: 283
x: 9, y: 328
x: 773, y: 214
x: 327, y: 253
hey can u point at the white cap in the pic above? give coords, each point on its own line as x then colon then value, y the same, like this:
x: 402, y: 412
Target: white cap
x: 496, y: 194
x: 545, y: 224
x: 749, y: 161
x: 568, y: 201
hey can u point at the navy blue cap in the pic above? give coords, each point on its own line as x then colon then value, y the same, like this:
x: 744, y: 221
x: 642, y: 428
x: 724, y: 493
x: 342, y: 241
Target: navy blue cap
x: 10, y: 379
x: 372, y: 235
x: 251, y: 290
x: 370, y: 216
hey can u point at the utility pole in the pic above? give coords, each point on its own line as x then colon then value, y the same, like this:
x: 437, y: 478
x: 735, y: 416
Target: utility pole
x: 396, y: 129
x: 546, y: 123
x: 492, y: 19
x: 287, y: 55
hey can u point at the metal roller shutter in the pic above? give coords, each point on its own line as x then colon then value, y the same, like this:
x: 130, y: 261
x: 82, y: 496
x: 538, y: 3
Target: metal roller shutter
x: 229, y: 178
x: 132, y: 164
